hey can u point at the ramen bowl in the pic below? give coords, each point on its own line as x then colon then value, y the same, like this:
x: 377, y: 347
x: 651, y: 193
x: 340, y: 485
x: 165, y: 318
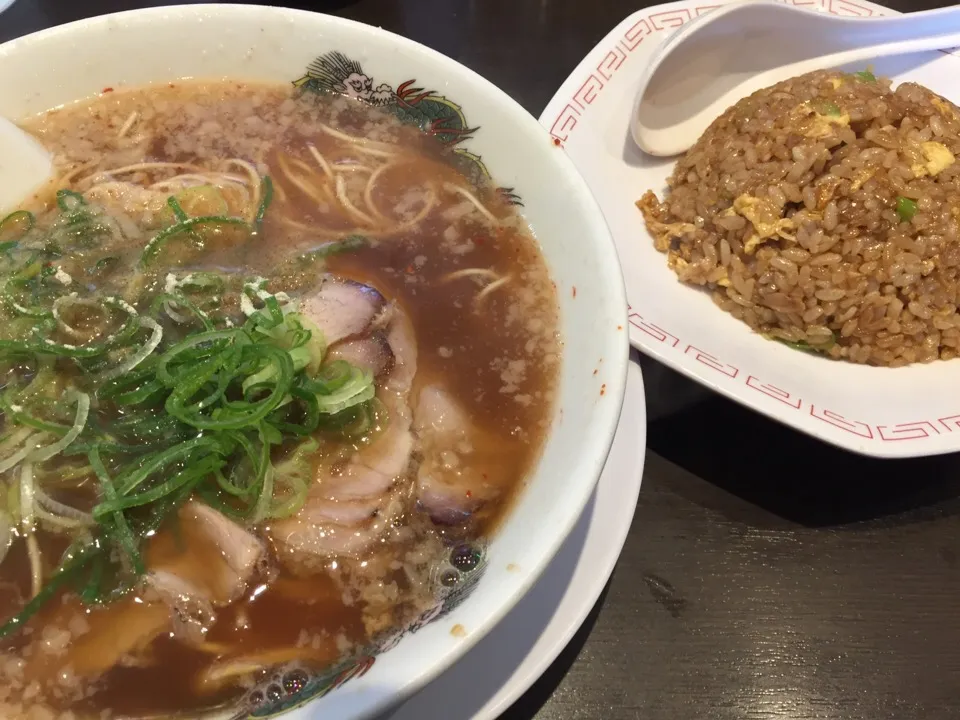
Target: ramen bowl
x: 134, y: 49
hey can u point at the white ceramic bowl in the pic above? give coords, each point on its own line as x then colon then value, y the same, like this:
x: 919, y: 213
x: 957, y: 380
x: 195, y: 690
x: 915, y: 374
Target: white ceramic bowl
x: 79, y: 60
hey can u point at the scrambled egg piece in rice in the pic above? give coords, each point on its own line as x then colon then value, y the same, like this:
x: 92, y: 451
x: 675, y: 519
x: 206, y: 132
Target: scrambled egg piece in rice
x: 765, y: 218
x: 819, y: 125
x: 938, y: 158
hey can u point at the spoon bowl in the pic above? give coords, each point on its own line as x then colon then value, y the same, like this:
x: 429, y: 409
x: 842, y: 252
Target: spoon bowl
x: 728, y: 53
x: 25, y: 166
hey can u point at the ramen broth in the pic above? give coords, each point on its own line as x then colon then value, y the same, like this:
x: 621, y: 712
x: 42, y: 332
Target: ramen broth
x: 418, y: 274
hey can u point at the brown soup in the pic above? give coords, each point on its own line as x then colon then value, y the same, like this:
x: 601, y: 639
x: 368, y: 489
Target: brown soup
x: 275, y: 364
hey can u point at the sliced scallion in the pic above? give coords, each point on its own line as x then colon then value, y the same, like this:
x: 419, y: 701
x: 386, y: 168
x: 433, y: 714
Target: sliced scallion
x: 154, y: 247
x: 906, y: 208
x: 141, y: 354
x: 14, y: 227
x: 164, y: 397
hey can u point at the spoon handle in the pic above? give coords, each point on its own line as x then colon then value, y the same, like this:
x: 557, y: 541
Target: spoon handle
x: 845, y: 40
x: 929, y: 23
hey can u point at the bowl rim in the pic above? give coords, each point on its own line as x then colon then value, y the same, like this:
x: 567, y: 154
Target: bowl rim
x: 599, y: 436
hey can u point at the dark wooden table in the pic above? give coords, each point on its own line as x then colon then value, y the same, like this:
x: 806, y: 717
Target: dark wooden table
x: 766, y: 575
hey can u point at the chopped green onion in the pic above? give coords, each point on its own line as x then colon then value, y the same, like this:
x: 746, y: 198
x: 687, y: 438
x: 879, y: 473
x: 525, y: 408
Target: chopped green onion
x: 266, y: 195
x: 164, y: 398
x: 216, y: 340
x: 154, y: 247
x: 64, y: 574
x: 347, y: 244
x: 198, y: 200
x: 167, y: 301
x: 202, y: 282
x: 178, y: 212
x: 79, y: 422
x: 28, y: 446
x: 180, y: 215
x: 865, y: 76
x: 20, y: 417
x: 69, y: 201
x: 310, y: 407
x: 90, y: 592
x: 13, y: 227
x: 357, y: 389
x: 121, y: 528
x: 130, y: 481
x: 65, y: 302
x: 156, y: 334
x: 261, y: 510
x: 187, y: 477
x: 906, y: 209
x: 104, y: 265
x: 128, y: 329
x: 294, y: 473
x: 804, y: 346
x: 829, y: 108
x: 331, y: 378
x: 21, y: 405
x: 234, y: 415
x: 7, y: 246
x: 235, y: 485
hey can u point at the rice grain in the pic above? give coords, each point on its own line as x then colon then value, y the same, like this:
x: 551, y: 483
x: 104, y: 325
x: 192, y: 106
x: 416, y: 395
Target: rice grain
x: 825, y: 211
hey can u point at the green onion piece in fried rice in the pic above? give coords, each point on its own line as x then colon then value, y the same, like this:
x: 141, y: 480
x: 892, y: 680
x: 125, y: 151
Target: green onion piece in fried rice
x: 831, y: 109
x: 804, y: 346
x: 906, y: 209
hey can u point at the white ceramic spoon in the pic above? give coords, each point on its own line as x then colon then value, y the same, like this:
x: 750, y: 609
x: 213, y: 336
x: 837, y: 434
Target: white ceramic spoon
x: 25, y: 166
x: 720, y: 57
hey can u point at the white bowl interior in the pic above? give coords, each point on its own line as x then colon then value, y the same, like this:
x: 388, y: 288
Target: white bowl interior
x: 77, y: 61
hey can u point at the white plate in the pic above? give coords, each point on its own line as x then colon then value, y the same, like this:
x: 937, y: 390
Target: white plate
x: 874, y: 411
x: 502, y: 666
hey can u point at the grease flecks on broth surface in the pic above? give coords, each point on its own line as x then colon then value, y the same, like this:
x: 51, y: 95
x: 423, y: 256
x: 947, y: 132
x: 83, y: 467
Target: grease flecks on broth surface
x: 275, y: 367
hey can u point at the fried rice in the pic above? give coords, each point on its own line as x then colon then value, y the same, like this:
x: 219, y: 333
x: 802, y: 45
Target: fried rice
x: 823, y: 212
